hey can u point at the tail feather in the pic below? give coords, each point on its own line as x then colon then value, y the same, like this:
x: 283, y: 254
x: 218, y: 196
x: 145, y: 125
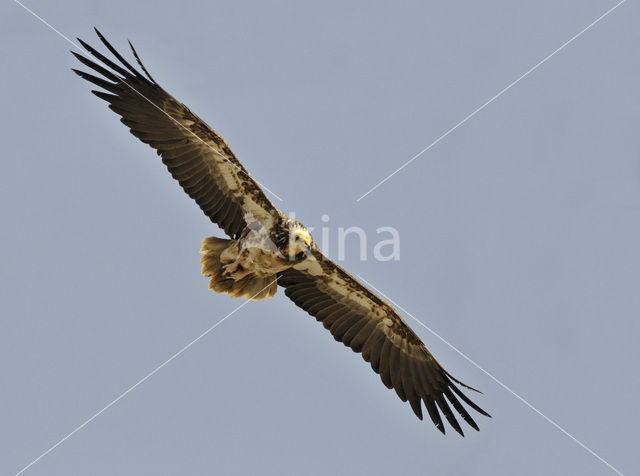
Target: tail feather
x: 248, y: 287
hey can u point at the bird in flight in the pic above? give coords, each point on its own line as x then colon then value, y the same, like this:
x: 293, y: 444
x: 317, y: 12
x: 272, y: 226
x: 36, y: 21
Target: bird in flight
x: 266, y: 248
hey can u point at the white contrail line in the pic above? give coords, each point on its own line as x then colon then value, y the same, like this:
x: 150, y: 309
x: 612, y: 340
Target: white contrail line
x: 491, y: 376
x: 154, y: 105
x: 492, y: 99
x: 143, y: 379
x: 49, y: 25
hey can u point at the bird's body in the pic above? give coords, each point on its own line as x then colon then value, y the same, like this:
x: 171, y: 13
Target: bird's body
x: 267, y: 249
x: 249, y: 265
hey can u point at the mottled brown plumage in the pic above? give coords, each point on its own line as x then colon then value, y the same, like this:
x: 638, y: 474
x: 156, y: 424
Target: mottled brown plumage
x: 206, y: 168
x: 369, y: 325
x: 196, y: 156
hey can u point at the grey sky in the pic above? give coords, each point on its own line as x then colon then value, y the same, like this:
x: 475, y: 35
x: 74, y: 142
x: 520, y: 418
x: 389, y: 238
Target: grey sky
x: 519, y: 237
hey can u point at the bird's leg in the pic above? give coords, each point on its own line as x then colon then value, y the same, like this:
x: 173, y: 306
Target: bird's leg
x: 235, y: 270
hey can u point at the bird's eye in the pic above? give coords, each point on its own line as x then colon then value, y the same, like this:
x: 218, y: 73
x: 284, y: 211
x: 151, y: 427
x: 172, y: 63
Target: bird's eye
x: 298, y: 238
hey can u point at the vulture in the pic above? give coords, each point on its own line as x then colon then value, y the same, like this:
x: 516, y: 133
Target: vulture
x: 266, y: 249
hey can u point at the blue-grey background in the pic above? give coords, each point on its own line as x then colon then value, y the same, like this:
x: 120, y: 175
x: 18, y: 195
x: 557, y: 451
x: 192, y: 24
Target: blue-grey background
x: 519, y: 237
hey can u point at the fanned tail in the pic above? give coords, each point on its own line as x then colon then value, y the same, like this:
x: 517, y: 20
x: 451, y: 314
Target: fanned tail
x: 248, y: 287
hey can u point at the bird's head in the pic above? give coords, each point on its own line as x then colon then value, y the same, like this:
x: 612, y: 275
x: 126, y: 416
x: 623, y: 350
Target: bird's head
x: 300, y: 241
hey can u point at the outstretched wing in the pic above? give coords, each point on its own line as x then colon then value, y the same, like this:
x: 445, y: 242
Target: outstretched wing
x: 196, y: 156
x: 361, y: 320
